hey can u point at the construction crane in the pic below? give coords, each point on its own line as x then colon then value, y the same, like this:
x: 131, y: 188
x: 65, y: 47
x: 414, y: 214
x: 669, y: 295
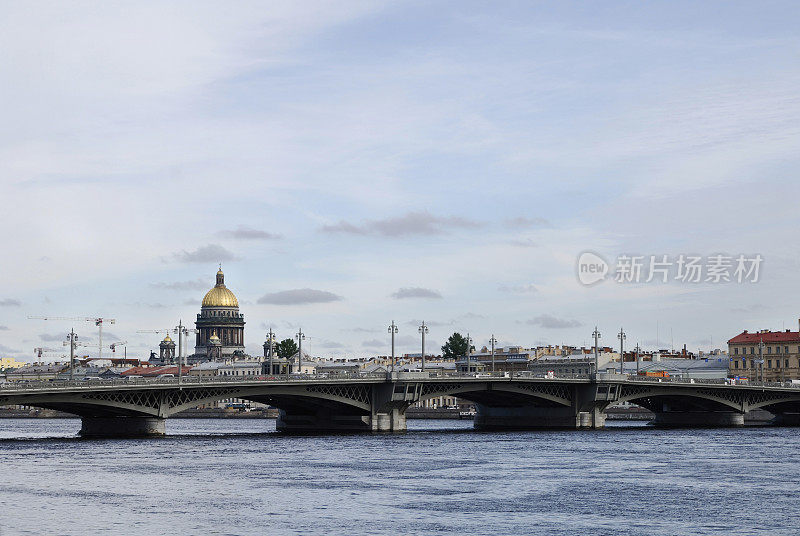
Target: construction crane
x: 124, y: 345
x: 43, y: 351
x: 183, y: 332
x: 98, y: 321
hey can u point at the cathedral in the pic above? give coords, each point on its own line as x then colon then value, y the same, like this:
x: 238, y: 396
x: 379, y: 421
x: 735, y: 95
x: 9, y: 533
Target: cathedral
x: 220, y: 325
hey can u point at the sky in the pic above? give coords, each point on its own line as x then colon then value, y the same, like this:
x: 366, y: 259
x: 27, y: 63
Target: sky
x: 351, y: 164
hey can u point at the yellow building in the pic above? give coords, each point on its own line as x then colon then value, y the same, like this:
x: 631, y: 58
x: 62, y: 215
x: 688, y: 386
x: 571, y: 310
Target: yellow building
x: 10, y: 363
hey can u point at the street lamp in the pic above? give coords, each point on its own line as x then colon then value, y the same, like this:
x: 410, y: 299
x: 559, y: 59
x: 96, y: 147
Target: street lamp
x: 596, y: 336
x: 621, y: 337
x: 638, y: 349
x: 469, y: 343
x: 300, y: 338
x: 393, y: 331
x: 760, y: 358
x: 492, y: 341
x: 423, y: 329
x: 72, y: 342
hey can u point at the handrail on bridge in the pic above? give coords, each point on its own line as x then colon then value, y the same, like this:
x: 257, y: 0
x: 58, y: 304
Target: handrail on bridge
x: 190, y: 381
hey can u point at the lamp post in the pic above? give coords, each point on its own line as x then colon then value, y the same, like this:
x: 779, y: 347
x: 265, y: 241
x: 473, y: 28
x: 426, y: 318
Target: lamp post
x: 493, y: 341
x: 760, y: 358
x: 72, y: 342
x: 423, y: 329
x: 300, y: 338
x: 638, y: 349
x: 621, y: 337
x: 469, y: 354
x: 393, y: 331
x: 596, y: 335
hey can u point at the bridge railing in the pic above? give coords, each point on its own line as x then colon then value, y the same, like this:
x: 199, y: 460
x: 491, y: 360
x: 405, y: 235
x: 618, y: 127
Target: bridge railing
x: 196, y: 380
x: 37, y: 385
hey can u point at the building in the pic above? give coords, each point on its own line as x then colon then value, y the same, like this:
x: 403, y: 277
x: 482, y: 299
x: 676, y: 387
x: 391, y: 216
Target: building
x: 220, y: 318
x: 11, y: 363
x: 35, y: 372
x: 765, y: 354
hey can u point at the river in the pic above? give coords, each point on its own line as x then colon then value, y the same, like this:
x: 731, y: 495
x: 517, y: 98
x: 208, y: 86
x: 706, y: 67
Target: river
x: 231, y: 477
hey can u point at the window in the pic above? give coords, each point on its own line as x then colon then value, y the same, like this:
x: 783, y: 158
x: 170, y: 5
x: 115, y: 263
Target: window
x: 785, y: 349
x: 769, y: 363
x: 735, y: 364
x: 736, y: 351
x: 752, y: 350
x: 769, y: 349
x: 777, y: 349
x: 786, y: 363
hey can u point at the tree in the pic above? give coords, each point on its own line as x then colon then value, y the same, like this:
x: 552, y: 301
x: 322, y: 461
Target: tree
x: 286, y: 348
x: 455, y: 347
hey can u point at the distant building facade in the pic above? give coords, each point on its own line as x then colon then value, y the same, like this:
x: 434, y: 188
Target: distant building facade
x: 765, y: 354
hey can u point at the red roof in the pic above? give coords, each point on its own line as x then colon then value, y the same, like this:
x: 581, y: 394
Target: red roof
x: 767, y: 336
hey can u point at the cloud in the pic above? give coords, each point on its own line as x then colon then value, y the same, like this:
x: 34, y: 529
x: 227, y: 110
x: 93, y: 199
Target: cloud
x: 429, y: 323
x: 416, y: 292
x: 551, y: 322
x: 373, y: 343
x: 3, y: 328
x: 362, y: 330
x: 331, y: 345
x: 412, y: 223
x: 299, y: 296
x: 524, y: 243
x: 195, y: 284
x: 10, y: 302
x: 519, y: 289
x: 248, y: 233
x: 6, y: 350
x: 191, y: 301
x: 209, y: 253
x: 46, y: 337
x: 748, y: 308
x: 522, y: 222
x: 343, y: 227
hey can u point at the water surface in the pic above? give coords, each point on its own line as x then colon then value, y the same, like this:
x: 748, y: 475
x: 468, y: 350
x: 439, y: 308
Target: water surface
x: 212, y: 476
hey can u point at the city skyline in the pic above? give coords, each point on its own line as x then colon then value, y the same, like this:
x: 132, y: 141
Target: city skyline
x: 451, y: 171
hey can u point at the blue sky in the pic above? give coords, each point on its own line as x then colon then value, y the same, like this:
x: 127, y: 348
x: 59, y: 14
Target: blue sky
x: 470, y: 150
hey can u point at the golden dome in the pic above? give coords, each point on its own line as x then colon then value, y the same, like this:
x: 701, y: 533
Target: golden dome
x: 214, y: 339
x: 220, y: 295
x: 167, y: 339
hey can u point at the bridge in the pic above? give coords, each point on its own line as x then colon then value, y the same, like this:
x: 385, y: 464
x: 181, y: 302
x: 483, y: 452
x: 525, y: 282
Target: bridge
x: 378, y: 402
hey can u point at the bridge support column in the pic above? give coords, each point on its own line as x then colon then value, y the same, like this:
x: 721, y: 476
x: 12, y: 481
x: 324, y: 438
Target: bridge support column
x: 122, y: 426
x: 534, y: 417
x: 698, y: 418
x: 392, y: 421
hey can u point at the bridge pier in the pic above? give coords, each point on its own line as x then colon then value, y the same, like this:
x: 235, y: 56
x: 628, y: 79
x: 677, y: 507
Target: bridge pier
x: 679, y: 419
x: 122, y: 426
x: 535, y: 417
x: 331, y: 422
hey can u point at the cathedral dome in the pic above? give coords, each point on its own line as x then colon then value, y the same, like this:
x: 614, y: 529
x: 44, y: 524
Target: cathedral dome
x: 220, y: 295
